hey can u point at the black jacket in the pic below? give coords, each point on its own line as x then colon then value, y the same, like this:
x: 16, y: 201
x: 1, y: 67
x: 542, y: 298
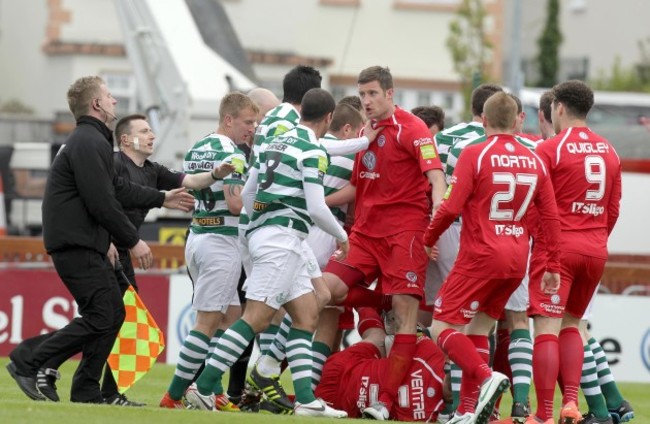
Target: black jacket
x: 150, y: 174
x: 81, y: 207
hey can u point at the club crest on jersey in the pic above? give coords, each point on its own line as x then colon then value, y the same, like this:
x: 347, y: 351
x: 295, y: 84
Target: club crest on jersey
x: 583, y: 135
x: 412, y: 276
x: 381, y: 140
x: 474, y: 305
x: 369, y: 160
x: 510, y: 147
x: 555, y: 299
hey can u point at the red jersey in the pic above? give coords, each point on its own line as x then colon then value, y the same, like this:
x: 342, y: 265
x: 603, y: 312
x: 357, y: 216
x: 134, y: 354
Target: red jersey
x: 391, y: 188
x: 586, y: 175
x: 493, y: 184
x: 419, y: 398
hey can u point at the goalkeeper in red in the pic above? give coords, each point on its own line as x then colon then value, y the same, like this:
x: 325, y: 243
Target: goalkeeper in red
x: 353, y: 377
x: 493, y: 184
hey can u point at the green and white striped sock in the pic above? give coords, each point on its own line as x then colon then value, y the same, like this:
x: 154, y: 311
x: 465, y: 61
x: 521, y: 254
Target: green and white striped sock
x: 520, y: 356
x: 191, y: 357
x: 277, y: 350
x: 299, y: 355
x: 213, y: 340
x: 265, y: 338
x: 608, y: 386
x: 231, y: 346
x: 456, y: 377
x: 213, y: 343
x: 590, y: 387
x: 321, y: 352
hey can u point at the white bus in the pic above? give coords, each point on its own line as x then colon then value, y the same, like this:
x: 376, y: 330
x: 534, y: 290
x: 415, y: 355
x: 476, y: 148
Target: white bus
x: 615, y: 115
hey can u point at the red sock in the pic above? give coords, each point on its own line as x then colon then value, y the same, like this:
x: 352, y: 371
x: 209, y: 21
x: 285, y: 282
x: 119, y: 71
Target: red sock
x: 399, y: 361
x: 501, y: 363
x: 360, y: 296
x: 462, y: 352
x: 470, y: 387
x: 369, y: 318
x: 571, y: 358
x: 546, y: 366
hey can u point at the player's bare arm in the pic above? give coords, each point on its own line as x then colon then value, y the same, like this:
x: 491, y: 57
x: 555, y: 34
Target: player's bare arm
x: 179, y: 199
x: 341, y: 197
x: 232, y: 193
x: 370, y: 131
x: 439, y: 186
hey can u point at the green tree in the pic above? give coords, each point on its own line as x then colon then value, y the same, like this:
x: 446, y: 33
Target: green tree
x: 633, y: 78
x: 15, y: 107
x: 549, y: 46
x: 469, y: 47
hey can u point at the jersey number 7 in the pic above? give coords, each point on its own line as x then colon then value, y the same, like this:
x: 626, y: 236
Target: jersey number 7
x: 498, y: 213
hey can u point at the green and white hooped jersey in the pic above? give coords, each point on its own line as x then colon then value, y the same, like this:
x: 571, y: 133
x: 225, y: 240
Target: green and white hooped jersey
x: 339, y: 173
x: 447, y: 138
x: 278, y: 120
x: 285, y: 163
x: 457, y: 148
x: 211, y: 214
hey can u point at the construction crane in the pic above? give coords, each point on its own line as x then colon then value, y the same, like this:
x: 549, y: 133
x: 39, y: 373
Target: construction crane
x: 179, y: 79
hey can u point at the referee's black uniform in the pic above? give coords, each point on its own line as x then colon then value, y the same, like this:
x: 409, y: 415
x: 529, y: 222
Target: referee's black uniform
x: 81, y: 212
x: 150, y: 174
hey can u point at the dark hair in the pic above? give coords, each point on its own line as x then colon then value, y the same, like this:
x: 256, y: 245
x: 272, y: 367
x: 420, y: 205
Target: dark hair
x: 345, y: 114
x: 353, y: 101
x: 376, y: 73
x: 316, y: 104
x: 480, y: 96
x: 500, y: 111
x: 576, y: 96
x: 520, y: 107
x: 298, y: 81
x: 124, y: 125
x: 545, y: 104
x: 431, y: 115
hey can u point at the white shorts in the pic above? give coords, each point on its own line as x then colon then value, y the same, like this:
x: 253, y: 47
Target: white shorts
x: 590, y: 307
x: 279, y: 272
x: 243, y: 251
x: 214, y: 264
x: 437, y: 271
x: 312, y: 263
x: 322, y: 244
x: 518, y: 301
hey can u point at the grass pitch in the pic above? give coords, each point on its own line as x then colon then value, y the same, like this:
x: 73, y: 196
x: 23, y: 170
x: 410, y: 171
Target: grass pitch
x: 15, y: 407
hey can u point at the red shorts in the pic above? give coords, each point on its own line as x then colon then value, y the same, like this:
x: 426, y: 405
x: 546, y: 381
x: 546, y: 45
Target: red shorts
x: 579, y: 278
x: 461, y: 297
x: 400, y: 261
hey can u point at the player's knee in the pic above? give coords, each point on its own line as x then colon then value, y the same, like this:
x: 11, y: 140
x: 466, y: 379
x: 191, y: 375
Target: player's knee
x: 339, y: 277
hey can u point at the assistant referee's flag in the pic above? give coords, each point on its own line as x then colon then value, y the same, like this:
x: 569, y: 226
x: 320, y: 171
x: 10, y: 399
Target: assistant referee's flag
x: 138, y: 343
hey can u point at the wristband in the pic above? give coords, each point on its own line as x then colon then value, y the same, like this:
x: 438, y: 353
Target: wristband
x: 212, y: 175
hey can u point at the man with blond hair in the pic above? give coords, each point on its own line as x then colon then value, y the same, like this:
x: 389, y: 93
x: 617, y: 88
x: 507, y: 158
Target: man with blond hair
x: 212, y: 251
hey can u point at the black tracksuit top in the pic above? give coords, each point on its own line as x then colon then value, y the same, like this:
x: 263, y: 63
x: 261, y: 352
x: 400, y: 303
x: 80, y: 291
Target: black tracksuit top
x: 82, y: 206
